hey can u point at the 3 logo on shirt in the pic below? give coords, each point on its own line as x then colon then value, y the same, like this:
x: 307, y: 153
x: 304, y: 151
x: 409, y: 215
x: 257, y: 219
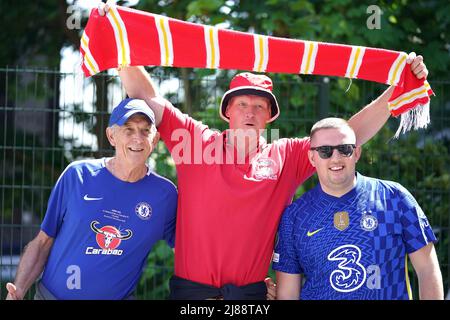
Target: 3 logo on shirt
x: 108, y: 238
x: 350, y: 274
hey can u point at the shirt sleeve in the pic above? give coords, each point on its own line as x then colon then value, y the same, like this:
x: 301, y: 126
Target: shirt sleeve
x: 57, y: 203
x: 285, y: 258
x: 171, y: 217
x: 416, y: 230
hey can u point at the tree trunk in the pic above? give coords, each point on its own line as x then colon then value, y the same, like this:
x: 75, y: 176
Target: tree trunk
x: 51, y: 135
x: 101, y: 115
x: 185, y: 72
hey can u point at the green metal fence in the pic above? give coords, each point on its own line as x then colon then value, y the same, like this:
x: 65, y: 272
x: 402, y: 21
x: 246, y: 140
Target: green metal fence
x: 48, y: 119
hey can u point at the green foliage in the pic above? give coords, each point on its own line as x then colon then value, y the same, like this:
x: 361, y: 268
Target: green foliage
x: 203, y: 7
x: 28, y: 171
x: 154, y: 283
x: 35, y: 32
x: 163, y: 162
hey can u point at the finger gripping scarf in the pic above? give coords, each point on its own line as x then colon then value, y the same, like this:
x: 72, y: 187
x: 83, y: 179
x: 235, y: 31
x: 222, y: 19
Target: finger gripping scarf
x: 128, y: 37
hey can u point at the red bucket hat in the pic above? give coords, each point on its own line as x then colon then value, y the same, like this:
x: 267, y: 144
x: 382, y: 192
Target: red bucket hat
x: 250, y: 84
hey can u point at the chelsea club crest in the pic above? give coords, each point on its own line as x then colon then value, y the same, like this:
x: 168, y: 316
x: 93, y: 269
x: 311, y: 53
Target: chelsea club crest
x: 143, y: 210
x: 368, y: 221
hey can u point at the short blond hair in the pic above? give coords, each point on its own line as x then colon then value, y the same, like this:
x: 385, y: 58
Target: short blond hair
x: 330, y: 123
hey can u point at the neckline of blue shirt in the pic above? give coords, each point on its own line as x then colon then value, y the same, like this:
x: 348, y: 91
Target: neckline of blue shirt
x: 103, y: 167
x: 355, y: 190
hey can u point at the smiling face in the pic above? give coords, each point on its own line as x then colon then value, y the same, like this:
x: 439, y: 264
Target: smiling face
x: 134, y: 141
x: 337, y: 173
x: 248, y: 112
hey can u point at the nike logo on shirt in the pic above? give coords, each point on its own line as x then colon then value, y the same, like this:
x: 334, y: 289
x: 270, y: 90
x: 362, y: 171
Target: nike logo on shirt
x: 311, y: 233
x: 90, y: 199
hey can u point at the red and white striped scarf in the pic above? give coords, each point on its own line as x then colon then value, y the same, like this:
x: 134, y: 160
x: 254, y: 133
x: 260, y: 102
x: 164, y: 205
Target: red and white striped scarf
x: 128, y: 37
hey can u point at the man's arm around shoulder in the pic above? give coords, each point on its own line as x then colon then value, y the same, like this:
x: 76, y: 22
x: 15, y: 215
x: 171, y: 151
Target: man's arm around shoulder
x: 138, y: 84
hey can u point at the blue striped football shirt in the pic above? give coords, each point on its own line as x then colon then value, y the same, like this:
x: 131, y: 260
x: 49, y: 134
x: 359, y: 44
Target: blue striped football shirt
x: 354, y: 246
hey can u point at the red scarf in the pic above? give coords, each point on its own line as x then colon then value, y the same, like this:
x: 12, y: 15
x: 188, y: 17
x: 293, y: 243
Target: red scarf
x: 128, y: 37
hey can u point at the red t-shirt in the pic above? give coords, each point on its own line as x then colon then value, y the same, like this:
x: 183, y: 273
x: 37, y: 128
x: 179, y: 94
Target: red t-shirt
x: 228, y: 213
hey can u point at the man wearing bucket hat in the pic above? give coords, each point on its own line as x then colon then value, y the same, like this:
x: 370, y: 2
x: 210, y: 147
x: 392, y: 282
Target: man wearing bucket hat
x: 103, y: 218
x: 252, y: 85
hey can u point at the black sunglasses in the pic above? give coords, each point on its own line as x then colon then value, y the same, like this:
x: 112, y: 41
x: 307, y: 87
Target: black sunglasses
x: 325, y: 152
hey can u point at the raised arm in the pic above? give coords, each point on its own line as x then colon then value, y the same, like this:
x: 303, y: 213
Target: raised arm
x: 367, y: 122
x: 30, y: 266
x: 137, y: 81
x: 138, y: 84
x: 426, y: 265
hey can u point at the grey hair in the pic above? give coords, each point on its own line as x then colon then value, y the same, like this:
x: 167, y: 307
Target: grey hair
x: 115, y: 127
x: 330, y: 123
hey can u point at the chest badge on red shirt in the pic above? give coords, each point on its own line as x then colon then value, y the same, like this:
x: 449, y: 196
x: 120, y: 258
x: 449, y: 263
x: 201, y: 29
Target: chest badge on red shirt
x: 265, y: 169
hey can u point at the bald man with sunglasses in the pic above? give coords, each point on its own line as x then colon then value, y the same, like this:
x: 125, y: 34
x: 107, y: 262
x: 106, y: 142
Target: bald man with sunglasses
x: 348, y: 238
